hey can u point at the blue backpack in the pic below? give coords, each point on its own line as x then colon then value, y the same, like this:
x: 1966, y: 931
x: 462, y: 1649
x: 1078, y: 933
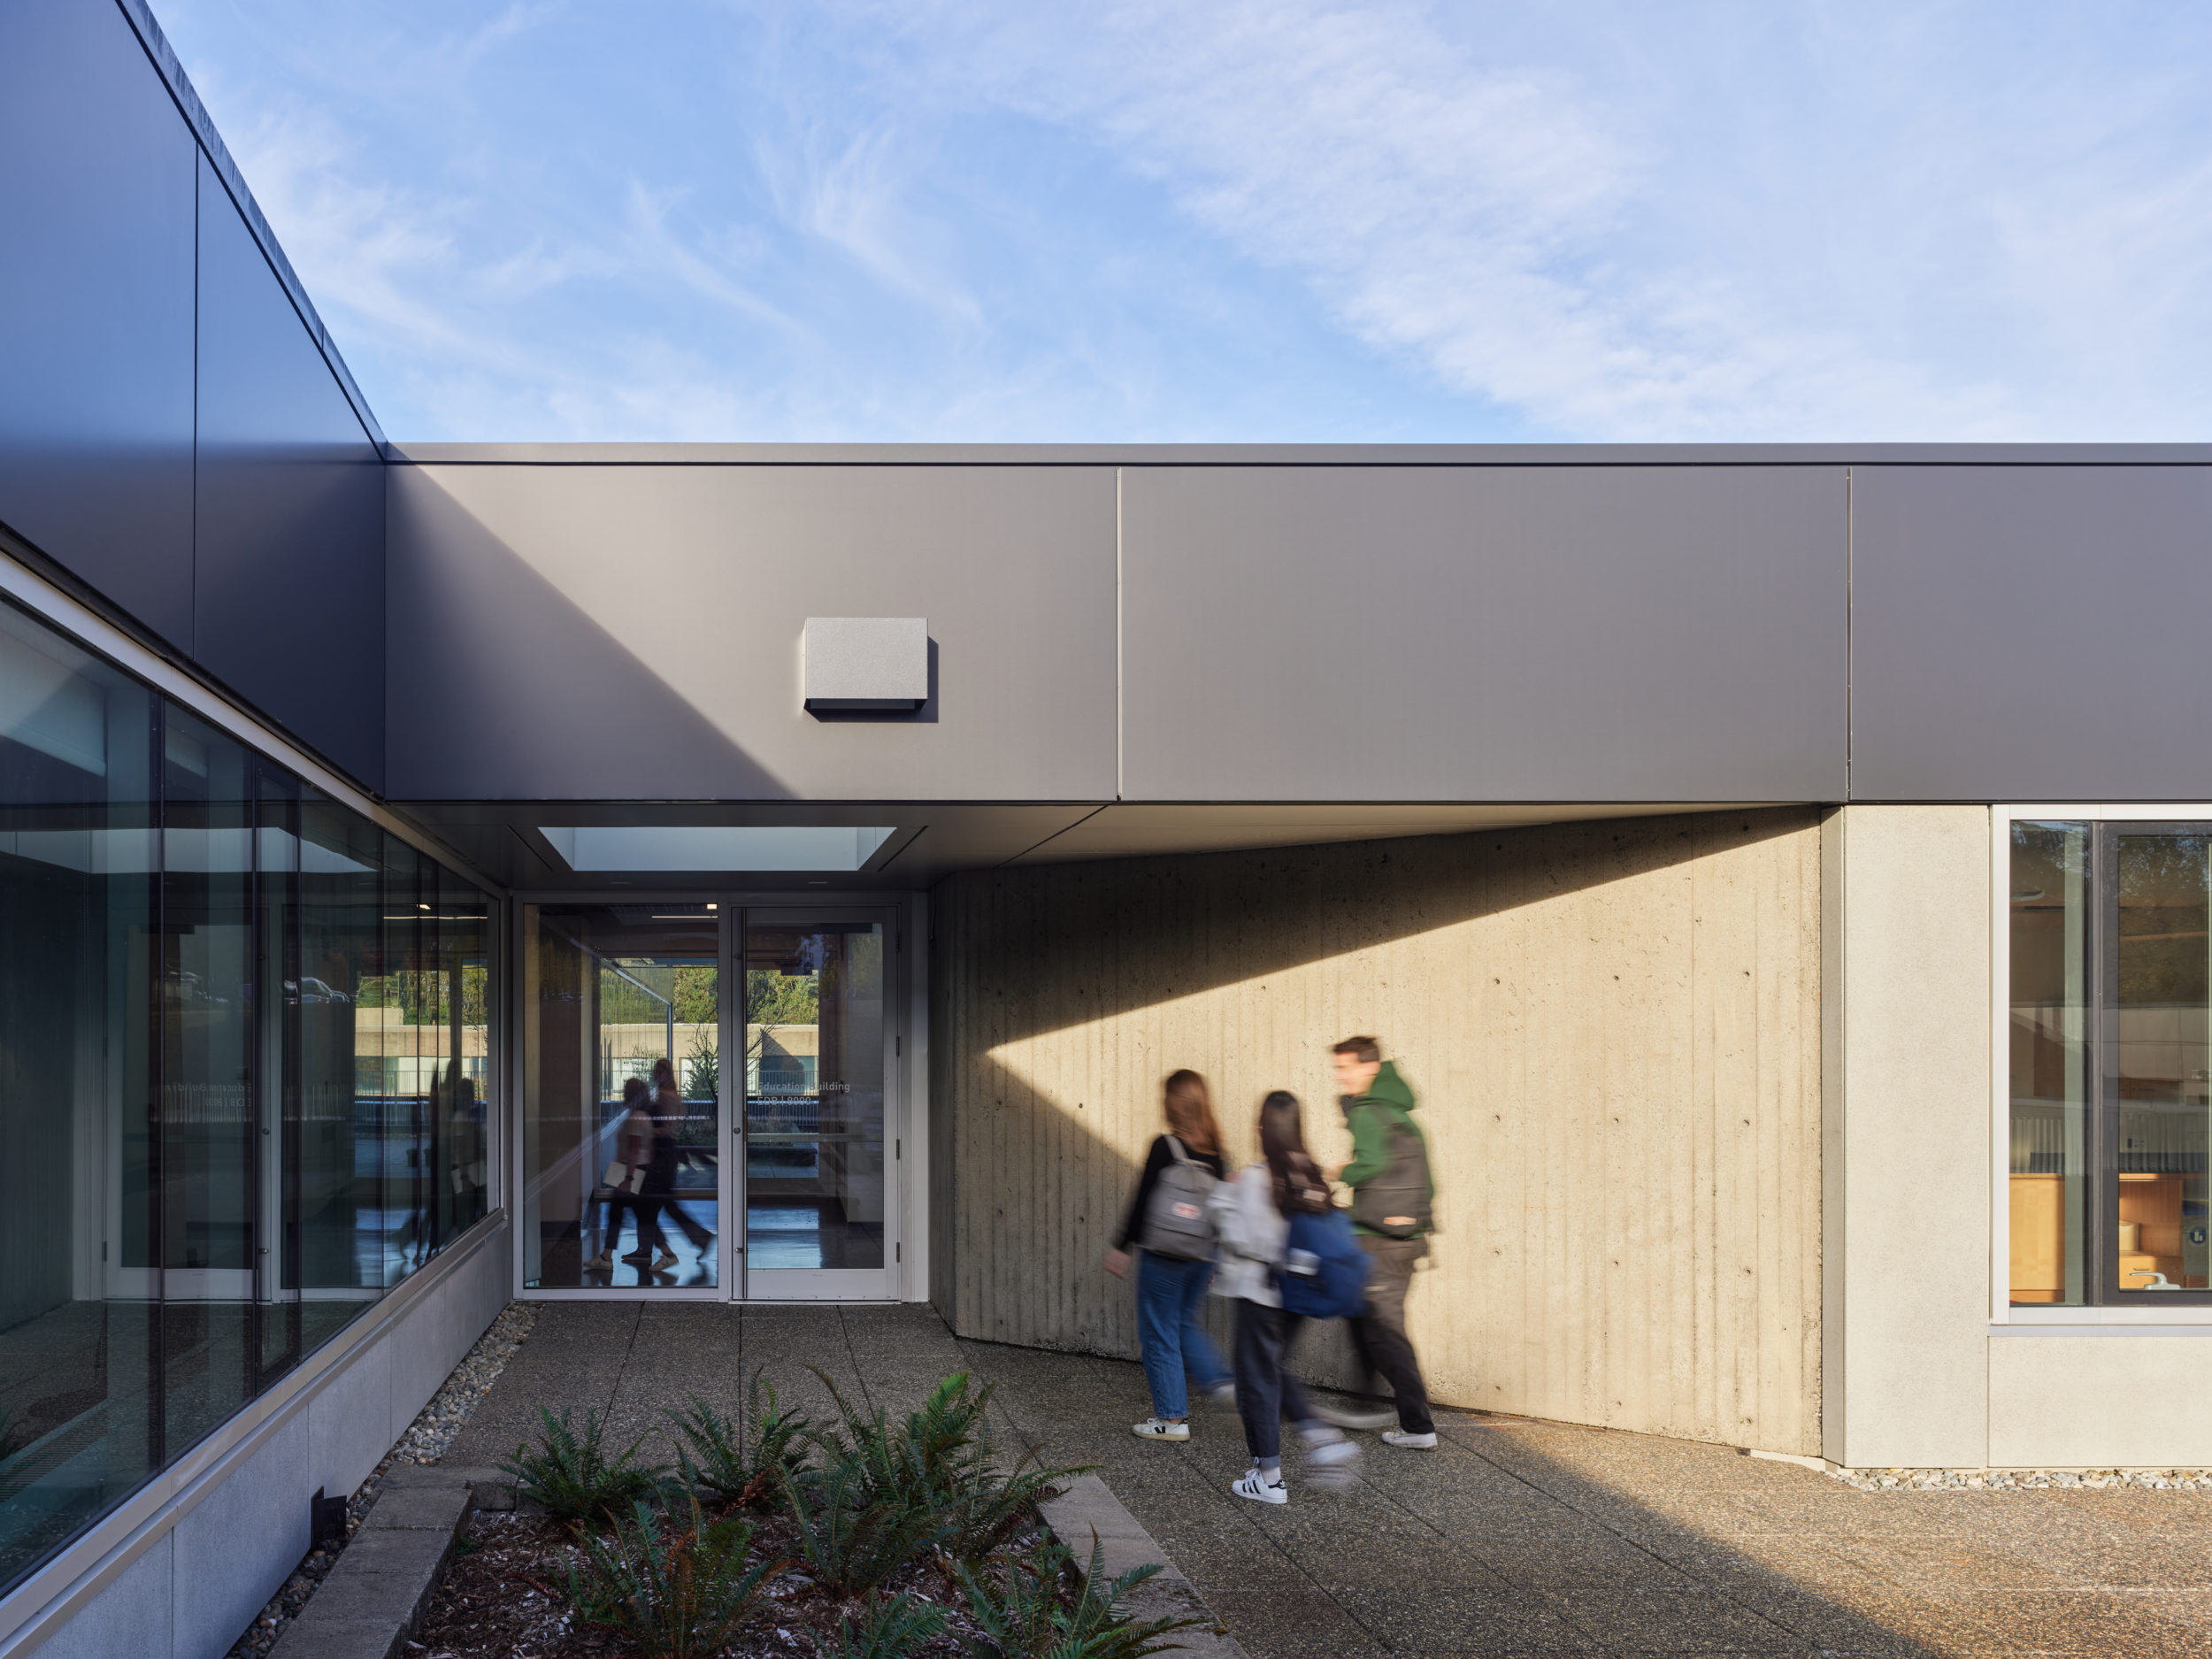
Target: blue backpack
x: 1323, y: 1274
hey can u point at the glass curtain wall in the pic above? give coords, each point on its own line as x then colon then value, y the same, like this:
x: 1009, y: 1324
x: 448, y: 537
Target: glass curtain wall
x: 244, y: 1077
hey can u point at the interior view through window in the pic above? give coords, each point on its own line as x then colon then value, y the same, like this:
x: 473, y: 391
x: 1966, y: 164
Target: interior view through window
x: 245, y: 1050
x: 2111, y: 1061
x: 622, y: 1083
x: 814, y: 1072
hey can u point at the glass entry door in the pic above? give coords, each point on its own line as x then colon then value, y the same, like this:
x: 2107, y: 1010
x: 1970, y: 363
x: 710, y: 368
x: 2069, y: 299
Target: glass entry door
x: 622, y: 1044
x: 816, y: 1043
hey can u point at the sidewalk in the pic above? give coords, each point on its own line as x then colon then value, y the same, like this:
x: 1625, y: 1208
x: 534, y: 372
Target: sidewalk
x: 1513, y: 1538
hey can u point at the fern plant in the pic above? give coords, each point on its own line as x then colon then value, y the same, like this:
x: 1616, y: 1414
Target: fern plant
x: 572, y: 1474
x: 851, y: 1535
x: 746, y: 1462
x: 887, y: 1630
x: 673, y: 1594
x: 942, y: 1457
x: 1022, y: 1614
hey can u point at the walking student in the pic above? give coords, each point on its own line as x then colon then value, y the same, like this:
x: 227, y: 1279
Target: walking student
x: 1392, y: 1200
x: 624, y: 1183
x: 1256, y: 1213
x: 1171, y: 1219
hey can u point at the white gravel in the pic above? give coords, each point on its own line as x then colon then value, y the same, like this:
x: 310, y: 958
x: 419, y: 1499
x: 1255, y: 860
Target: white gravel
x: 2025, y: 1479
x: 435, y: 1425
x: 425, y: 1443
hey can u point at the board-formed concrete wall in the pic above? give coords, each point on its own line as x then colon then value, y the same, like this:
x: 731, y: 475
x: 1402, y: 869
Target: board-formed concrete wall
x: 1614, y: 1030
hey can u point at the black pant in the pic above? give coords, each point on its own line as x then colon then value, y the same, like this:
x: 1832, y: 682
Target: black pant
x: 647, y: 1208
x: 1380, y: 1333
x: 1265, y: 1390
x: 660, y: 1184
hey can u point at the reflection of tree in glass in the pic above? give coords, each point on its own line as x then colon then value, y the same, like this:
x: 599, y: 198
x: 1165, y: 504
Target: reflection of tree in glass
x: 781, y: 999
x: 2162, y: 920
x: 703, y: 1069
x: 695, y: 991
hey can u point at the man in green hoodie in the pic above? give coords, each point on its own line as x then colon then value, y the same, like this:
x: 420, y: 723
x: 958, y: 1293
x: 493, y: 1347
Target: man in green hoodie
x: 1391, y: 1197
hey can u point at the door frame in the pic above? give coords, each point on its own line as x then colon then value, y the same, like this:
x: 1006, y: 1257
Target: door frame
x: 823, y: 1284
x: 905, y: 914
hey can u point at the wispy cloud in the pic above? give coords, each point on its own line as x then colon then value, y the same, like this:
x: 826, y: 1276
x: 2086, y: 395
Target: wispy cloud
x: 1264, y: 218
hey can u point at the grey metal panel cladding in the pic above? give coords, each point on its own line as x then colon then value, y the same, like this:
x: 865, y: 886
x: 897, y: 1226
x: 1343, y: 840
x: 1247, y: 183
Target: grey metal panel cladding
x: 2031, y: 634
x: 633, y: 631
x: 1523, y: 634
x: 96, y: 188
x: 290, y: 509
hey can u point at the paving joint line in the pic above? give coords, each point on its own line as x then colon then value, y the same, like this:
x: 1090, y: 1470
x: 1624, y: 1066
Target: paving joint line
x: 1633, y: 1543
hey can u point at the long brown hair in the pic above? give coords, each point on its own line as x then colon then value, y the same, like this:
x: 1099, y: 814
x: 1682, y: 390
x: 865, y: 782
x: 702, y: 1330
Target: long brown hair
x: 1190, y: 1113
x: 1299, y: 1186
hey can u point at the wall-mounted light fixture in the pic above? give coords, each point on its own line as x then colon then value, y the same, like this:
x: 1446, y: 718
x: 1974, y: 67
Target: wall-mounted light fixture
x: 861, y: 665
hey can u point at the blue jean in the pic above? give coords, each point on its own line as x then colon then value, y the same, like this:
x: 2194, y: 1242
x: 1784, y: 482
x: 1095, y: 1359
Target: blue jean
x: 1169, y: 1294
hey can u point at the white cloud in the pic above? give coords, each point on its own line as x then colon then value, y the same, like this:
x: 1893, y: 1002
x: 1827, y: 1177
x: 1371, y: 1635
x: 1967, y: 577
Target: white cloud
x: 1259, y: 218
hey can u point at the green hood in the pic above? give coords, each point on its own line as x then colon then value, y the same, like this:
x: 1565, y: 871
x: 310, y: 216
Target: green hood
x: 1389, y: 1089
x: 1387, y: 1101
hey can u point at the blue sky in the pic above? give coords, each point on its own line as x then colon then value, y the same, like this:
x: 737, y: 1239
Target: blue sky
x: 1124, y: 222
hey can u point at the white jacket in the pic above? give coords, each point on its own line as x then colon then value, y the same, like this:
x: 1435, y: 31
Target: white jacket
x: 1254, y: 1235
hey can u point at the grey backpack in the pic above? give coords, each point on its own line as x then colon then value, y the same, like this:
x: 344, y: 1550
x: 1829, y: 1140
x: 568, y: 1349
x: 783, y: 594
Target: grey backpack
x: 1178, y: 1221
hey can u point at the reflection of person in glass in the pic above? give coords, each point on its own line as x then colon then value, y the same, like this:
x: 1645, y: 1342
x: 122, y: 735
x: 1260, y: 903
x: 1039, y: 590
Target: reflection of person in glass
x: 660, y: 1175
x: 633, y: 1150
x: 464, y: 1137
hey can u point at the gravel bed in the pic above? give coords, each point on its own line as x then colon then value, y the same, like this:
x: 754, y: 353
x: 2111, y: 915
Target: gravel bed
x: 2025, y: 1479
x: 425, y: 1443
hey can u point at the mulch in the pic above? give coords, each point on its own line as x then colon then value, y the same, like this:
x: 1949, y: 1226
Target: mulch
x: 503, y: 1598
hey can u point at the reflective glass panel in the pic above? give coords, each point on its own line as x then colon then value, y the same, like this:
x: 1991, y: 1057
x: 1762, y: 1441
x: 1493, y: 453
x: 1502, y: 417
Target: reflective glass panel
x: 2160, y: 1052
x: 208, y: 1120
x: 814, y: 1079
x: 621, y: 1009
x: 80, y: 1414
x: 2052, y: 933
x: 334, y: 1246
x: 465, y: 936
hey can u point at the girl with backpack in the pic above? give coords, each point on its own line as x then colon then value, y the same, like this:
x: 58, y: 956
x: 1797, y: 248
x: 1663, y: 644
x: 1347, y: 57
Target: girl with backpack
x: 1279, y: 1244
x: 1171, y: 1218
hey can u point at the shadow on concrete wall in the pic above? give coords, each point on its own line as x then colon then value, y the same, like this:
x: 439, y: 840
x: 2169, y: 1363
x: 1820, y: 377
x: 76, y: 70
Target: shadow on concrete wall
x: 502, y: 688
x: 1027, y: 953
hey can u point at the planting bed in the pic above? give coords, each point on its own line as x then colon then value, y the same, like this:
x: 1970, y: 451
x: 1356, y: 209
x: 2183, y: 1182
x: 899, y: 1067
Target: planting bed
x: 504, y: 1596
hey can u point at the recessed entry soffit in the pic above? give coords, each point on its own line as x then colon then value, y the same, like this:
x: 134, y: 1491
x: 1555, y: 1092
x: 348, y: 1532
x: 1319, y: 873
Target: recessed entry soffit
x: 909, y: 844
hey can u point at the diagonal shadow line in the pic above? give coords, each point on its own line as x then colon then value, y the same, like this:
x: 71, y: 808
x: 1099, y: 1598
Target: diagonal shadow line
x: 1562, y: 1603
x: 1793, y: 1611
x: 1286, y: 906
x: 500, y: 686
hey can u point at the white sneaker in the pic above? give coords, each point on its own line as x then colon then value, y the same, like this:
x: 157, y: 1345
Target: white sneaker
x: 1253, y: 1485
x: 1160, y: 1429
x: 665, y: 1261
x: 602, y: 1262
x: 1331, y: 1463
x: 1410, y: 1443
x: 1351, y: 1417
x: 1223, y: 1394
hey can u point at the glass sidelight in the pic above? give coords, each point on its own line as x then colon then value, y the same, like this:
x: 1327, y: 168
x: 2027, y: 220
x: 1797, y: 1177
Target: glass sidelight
x: 816, y: 1048
x: 622, y: 1023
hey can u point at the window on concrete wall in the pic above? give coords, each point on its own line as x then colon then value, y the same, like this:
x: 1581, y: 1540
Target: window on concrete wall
x: 2051, y: 1091
x: 243, y: 1077
x: 2110, y: 1062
